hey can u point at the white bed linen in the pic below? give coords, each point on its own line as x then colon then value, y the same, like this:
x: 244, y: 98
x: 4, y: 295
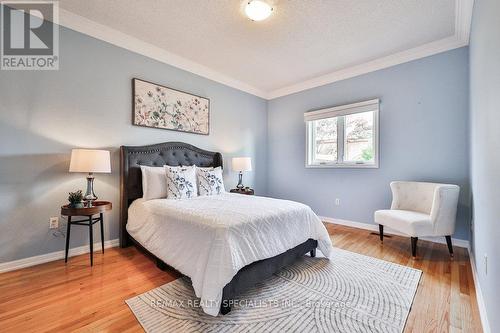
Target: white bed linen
x: 210, y: 238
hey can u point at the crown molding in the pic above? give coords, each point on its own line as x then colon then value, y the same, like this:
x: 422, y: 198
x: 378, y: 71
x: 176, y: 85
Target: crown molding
x: 120, y: 39
x: 463, y: 18
x: 423, y: 51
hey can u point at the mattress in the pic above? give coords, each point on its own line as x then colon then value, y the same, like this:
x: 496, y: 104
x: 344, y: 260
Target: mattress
x: 211, y: 238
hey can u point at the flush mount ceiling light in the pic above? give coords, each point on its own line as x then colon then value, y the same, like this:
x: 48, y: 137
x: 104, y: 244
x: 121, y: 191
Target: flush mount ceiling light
x: 258, y: 10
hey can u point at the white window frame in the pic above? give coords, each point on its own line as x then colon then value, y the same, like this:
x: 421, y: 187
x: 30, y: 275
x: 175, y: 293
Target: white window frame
x: 338, y: 111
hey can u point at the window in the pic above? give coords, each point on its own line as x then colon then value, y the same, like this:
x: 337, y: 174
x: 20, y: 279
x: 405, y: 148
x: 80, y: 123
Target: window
x: 343, y: 136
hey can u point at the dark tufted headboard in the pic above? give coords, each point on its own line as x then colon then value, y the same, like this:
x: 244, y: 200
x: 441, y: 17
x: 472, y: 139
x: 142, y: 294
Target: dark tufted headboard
x: 169, y: 153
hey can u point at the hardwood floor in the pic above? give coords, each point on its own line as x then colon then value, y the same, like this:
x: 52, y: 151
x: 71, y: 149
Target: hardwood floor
x: 75, y: 297
x: 446, y: 296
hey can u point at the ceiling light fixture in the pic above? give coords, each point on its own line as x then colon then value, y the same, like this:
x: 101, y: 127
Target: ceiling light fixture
x: 258, y: 10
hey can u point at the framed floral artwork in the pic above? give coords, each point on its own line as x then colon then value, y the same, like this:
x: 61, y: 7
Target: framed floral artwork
x: 162, y: 107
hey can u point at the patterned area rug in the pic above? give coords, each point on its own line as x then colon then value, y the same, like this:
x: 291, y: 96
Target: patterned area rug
x: 349, y: 293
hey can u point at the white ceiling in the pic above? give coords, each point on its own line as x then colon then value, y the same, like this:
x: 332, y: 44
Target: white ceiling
x: 303, y: 43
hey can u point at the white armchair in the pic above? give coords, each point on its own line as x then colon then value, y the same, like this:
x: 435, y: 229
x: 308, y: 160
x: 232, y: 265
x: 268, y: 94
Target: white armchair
x: 420, y: 210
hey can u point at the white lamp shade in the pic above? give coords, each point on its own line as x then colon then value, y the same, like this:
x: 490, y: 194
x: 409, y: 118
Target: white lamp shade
x: 242, y: 164
x: 90, y: 160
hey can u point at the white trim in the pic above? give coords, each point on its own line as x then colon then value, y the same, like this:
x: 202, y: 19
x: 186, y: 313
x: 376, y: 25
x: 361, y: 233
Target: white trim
x: 463, y: 18
x: 456, y: 242
x: 120, y: 39
x: 423, y: 51
x: 342, y: 166
x: 36, y: 260
x: 479, y: 295
x: 32, y: 261
x: 373, y: 227
x: 340, y: 112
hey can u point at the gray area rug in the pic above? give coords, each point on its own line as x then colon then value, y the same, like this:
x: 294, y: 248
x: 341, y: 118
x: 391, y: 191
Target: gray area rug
x: 349, y: 293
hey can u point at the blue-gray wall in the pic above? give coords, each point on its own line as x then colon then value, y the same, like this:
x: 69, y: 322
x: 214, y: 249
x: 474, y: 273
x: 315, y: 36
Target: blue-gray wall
x: 87, y: 103
x: 423, y: 137
x: 485, y: 150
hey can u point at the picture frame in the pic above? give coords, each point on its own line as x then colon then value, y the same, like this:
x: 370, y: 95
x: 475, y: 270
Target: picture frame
x: 158, y: 106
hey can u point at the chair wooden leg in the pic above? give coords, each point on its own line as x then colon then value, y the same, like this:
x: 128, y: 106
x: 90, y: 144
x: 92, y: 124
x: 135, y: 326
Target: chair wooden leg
x: 414, y: 246
x: 450, y: 246
x: 381, y: 232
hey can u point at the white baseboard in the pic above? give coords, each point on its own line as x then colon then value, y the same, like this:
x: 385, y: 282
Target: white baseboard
x: 36, y: 260
x: 32, y: 261
x: 374, y: 227
x: 479, y: 295
x: 456, y: 242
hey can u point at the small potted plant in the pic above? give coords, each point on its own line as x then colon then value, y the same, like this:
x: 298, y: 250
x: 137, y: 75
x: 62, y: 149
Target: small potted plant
x: 76, y: 199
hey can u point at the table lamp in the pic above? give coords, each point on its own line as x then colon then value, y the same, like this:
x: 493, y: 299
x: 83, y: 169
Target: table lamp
x: 91, y: 161
x: 241, y: 164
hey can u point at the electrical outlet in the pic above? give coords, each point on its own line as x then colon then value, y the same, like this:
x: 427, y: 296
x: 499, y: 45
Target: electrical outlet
x: 486, y: 264
x: 337, y: 202
x: 54, y: 222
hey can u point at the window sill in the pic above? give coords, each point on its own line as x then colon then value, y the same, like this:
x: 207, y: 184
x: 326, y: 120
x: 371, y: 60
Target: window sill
x: 342, y: 166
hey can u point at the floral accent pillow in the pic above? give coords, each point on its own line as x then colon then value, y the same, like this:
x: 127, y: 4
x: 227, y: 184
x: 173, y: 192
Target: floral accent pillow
x: 210, y: 181
x: 181, y: 182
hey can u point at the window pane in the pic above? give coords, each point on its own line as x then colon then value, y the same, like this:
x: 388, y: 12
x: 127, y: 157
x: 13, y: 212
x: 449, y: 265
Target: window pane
x: 324, y: 140
x: 358, y: 138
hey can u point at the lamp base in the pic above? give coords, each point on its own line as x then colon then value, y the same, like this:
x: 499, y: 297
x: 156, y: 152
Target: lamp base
x: 90, y: 196
x: 240, y: 180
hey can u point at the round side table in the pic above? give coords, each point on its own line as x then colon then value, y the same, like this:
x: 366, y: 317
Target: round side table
x: 99, y: 207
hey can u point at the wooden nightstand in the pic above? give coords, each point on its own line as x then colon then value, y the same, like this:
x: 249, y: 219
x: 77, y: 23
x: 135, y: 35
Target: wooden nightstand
x: 99, y: 207
x: 245, y: 190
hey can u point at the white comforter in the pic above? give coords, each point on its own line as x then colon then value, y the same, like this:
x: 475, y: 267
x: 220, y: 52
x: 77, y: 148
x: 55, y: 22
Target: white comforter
x: 210, y: 238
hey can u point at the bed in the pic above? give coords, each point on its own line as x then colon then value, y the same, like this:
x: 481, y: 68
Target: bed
x: 225, y: 243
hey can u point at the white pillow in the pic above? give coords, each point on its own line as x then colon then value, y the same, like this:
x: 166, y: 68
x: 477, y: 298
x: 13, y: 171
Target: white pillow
x: 209, y: 181
x: 154, y: 182
x: 181, y: 182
